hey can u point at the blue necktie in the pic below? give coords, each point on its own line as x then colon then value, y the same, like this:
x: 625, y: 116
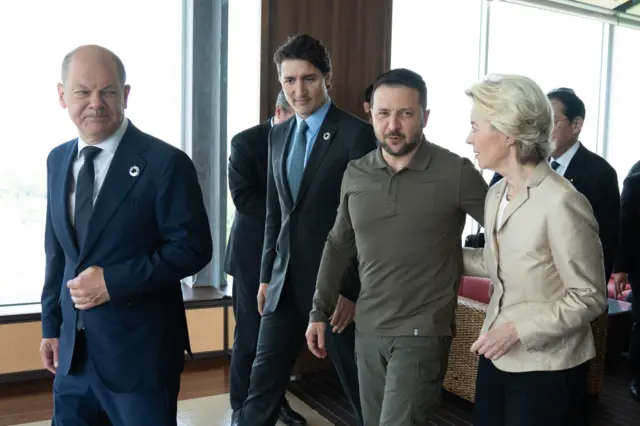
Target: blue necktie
x: 555, y: 165
x: 84, y: 202
x: 298, y: 154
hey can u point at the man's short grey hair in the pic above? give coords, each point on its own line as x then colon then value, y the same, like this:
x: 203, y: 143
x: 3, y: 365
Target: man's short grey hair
x: 122, y: 74
x: 282, y: 101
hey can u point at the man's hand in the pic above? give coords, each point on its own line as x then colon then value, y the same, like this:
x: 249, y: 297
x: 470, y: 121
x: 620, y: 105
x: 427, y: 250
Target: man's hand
x: 620, y: 280
x: 315, y: 339
x: 343, y: 314
x: 49, y: 354
x: 262, y: 296
x: 88, y: 289
x: 496, y: 342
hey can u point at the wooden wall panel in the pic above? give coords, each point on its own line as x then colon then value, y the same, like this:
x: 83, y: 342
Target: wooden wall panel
x: 20, y: 347
x: 206, y: 329
x: 19, y: 351
x: 357, y: 34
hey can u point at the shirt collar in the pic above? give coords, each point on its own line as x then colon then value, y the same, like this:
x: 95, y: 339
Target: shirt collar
x: 419, y: 161
x: 314, y: 121
x: 111, y: 143
x: 565, y: 158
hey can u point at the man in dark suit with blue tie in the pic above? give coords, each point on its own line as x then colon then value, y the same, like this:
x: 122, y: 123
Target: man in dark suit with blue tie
x: 248, y: 187
x: 308, y: 155
x: 125, y: 223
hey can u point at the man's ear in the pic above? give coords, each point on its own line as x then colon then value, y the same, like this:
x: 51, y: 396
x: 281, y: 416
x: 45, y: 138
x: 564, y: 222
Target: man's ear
x: 577, y: 124
x: 127, y: 90
x: 61, y: 100
x: 327, y: 80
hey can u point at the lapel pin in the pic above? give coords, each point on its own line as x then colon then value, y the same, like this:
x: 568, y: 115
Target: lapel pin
x: 326, y: 136
x: 134, y: 171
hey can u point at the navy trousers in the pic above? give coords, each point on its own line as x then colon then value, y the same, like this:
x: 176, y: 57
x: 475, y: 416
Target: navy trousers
x: 81, y: 399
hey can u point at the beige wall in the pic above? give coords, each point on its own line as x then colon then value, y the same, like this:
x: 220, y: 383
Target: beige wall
x: 19, y: 351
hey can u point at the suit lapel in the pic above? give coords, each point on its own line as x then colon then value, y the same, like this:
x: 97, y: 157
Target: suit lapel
x: 575, y: 165
x: 324, y: 138
x: 281, y: 179
x: 490, y: 227
x: 116, y: 186
x: 513, y: 206
x: 60, y: 194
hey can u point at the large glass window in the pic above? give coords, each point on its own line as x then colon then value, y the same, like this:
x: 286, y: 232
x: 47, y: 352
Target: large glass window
x: 34, y: 123
x: 623, y: 149
x: 448, y: 68
x: 243, y: 89
x: 417, y: 42
x: 554, y: 49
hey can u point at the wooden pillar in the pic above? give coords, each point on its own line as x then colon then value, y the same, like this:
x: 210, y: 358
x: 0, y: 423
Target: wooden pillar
x: 357, y: 34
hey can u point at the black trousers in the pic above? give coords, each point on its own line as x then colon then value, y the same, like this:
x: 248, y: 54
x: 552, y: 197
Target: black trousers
x: 280, y: 340
x: 634, y: 347
x: 537, y: 398
x: 245, y: 338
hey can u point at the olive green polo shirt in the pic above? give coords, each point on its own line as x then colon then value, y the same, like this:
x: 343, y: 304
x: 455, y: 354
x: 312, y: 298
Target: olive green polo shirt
x: 406, y: 229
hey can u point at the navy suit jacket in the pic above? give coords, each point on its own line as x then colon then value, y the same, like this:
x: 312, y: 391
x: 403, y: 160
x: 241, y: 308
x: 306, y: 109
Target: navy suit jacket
x: 147, y: 232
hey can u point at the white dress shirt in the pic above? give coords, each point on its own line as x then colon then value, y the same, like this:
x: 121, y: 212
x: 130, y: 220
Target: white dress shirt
x: 101, y: 165
x: 565, y: 159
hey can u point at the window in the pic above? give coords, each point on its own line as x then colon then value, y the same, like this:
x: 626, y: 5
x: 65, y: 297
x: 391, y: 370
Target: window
x: 448, y: 68
x: 243, y: 88
x: 623, y: 149
x: 34, y: 123
x: 555, y: 50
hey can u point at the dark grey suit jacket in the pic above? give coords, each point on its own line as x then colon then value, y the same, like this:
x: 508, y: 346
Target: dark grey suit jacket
x: 295, y: 233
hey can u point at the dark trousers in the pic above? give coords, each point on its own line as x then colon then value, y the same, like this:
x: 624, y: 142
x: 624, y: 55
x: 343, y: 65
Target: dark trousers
x: 81, y: 399
x: 245, y: 338
x: 280, y: 340
x: 537, y: 398
x: 400, y: 378
x: 634, y: 346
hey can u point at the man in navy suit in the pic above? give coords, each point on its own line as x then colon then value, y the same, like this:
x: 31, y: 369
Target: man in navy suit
x: 125, y: 223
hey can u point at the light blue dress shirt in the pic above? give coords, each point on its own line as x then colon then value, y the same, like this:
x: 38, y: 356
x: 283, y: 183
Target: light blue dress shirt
x: 314, y: 121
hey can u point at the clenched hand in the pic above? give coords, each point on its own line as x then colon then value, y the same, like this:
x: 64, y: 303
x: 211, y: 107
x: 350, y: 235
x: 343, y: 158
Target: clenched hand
x: 89, y: 289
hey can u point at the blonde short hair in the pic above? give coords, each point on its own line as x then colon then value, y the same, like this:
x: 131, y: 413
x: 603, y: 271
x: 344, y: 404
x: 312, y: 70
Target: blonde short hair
x: 516, y: 106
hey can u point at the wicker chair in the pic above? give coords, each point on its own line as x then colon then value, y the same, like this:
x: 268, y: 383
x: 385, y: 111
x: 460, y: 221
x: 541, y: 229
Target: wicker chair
x: 463, y: 365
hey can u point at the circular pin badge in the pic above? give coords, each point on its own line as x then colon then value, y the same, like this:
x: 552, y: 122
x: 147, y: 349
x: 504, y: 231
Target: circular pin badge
x: 326, y: 136
x: 134, y: 171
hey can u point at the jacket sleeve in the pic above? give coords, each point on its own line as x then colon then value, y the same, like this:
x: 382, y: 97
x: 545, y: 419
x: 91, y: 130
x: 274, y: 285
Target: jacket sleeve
x: 245, y: 187
x: 51, y: 315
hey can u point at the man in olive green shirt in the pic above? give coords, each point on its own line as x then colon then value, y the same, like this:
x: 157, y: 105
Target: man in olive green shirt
x: 402, y: 213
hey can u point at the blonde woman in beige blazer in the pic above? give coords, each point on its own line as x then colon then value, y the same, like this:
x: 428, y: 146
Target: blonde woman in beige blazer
x: 545, y: 261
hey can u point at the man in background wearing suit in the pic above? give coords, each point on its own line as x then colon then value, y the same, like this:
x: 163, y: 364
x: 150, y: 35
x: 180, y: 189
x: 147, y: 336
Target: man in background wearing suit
x: 628, y: 268
x: 248, y: 187
x: 589, y: 173
x: 308, y: 155
x: 125, y: 223
x: 366, y: 105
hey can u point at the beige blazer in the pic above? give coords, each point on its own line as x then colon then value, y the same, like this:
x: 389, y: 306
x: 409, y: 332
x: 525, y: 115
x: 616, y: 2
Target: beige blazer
x: 546, y: 265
